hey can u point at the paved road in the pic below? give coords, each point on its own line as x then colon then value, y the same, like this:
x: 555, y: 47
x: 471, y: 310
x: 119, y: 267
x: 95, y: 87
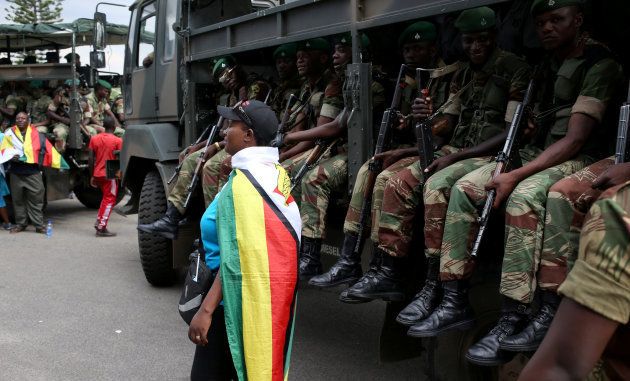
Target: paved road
x: 76, y: 307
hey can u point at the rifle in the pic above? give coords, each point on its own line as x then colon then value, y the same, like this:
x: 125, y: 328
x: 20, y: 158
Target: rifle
x: 504, y: 156
x: 376, y: 165
x: 424, y: 134
x: 285, y: 117
x: 313, y: 159
x: 622, y: 153
x: 201, y: 162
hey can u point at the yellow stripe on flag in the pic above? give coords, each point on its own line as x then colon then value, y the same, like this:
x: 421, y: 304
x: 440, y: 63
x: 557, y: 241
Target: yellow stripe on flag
x: 256, y: 290
x: 28, y: 146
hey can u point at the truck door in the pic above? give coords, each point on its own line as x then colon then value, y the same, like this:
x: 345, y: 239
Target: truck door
x: 141, y: 102
x: 166, y: 83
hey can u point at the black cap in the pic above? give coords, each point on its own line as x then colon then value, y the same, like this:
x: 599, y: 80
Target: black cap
x: 256, y: 115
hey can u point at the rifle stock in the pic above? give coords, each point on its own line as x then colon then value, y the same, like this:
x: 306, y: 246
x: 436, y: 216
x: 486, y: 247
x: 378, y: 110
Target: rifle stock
x: 376, y: 165
x: 503, y: 158
x: 313, y: 159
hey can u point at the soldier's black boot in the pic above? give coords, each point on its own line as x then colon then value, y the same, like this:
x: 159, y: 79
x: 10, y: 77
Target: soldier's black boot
x: 533, y: 334
x: 486, y: 352
x: 166, y: 226
x: 453, y: 312
x: 426, y: 300
x: 346, y: 270
x: 385, y: 283
x: 375, y: 265
x: 310, y: 264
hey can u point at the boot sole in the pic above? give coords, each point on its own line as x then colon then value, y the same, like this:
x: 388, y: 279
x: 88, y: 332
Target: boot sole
x: 487, y: 362
x: 461, y: 326
x: 519, y: 347
x: 351, y: 300
x: 409, y: 323
x: 336, y: 283
x: 166, y: 235
x: 385, y: 296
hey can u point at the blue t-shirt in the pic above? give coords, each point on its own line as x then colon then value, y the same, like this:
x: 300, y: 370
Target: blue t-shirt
x: 209, y: 236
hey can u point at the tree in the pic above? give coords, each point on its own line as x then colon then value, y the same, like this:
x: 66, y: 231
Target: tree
x: 34, y: 11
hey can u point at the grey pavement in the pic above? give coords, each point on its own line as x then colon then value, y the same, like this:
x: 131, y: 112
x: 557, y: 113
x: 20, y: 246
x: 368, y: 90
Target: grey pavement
x: 77, y: 307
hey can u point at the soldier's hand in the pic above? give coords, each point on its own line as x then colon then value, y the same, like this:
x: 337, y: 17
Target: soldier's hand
x: 613, y: 176
x: 504, y: 184
x: 388, y: 157
x: 280, y: 140
x: 422, y: 108
x: 440, y: 163
x: 530, y: 129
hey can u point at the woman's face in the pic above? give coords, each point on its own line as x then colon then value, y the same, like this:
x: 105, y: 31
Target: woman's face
x: 237, y: 136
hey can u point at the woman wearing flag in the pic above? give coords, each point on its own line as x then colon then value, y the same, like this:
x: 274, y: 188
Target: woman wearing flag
x: 251, y: 233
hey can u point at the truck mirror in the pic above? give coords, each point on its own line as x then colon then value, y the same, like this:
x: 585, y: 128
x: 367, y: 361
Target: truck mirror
x: 100, y: 21
x: 97, y: 59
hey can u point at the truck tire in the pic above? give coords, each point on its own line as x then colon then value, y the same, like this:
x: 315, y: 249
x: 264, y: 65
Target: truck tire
x: 91, y: 197
x: 156, y: 255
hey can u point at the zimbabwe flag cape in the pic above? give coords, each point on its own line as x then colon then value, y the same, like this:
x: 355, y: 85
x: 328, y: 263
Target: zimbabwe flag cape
x: 259, y: 270
x: 29, y: 148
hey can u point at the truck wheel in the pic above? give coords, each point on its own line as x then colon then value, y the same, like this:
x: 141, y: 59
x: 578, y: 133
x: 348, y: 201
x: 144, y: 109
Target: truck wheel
x: 156, y: 253
x: 91, y: 197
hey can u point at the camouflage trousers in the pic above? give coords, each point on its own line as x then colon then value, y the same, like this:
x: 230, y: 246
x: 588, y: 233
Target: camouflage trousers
x: 214, y: 175
x: 524, y: 223
x: 179, y: 191
x: 568, y: 202
x: 353, y: 216
x: 402, y: 196
x: 59, y: 130
x: 292, y: 165
x: 600, y: 279
x: 331, y: 175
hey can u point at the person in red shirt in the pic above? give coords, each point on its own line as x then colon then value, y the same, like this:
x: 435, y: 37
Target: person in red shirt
x: 103, y: 145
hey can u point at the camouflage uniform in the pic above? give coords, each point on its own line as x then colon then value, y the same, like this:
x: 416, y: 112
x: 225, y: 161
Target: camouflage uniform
x: 438, y: 91
x: 325, y: 100
x: 567, y: 204
x: 600, y: 279
x: 280, y: 95
x: 37, y: 111
x: 572, y: 86
x: 98, y: 109
x: 60, y: 130
x: 483, y: 110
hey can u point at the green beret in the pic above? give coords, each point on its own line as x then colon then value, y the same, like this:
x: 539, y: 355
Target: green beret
x: 36, y: 84
x: 286, y: 50
x: 104, y: 83
x: 421, y: 31
x: 222, y: 64
x: 541, y: 6
x: 475, y: 20
x: 320, y: 44
x: 68, y: 82
x: 346, y: 39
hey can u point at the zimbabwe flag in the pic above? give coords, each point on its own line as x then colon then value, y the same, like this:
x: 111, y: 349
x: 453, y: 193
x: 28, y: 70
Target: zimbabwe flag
x: 259, y: 272
x: 28, y: 147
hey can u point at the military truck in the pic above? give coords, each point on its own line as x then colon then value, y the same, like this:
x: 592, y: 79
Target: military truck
x: 168, y: 104
x: 52, y: 38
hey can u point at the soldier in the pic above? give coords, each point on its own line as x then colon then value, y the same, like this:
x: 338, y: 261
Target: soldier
x: 99, y: 105
x: 167, y: 225
x: 117, y: 104
x: 418, y: 45
x: 596, y: 295
x: 320, y: 101
x: 38, y: 106
x: 284, y: 57
x: 332, y: 172
x: 13, y: 103
x: 57, y: 113
x: 578, y: 80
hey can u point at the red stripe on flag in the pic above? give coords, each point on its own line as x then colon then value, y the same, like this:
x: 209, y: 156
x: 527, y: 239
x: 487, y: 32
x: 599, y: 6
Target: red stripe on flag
x: 282, y: 253
x: 35, y: 144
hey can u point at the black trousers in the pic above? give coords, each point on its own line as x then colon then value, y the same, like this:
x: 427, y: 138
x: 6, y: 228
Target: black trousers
x: 214, y: 361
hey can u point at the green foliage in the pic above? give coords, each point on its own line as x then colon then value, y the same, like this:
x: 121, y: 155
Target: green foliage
x: 34, y: 11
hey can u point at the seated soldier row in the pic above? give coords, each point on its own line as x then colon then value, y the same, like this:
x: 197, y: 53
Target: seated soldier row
x: 49, y: 109
x: 545, y: 197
